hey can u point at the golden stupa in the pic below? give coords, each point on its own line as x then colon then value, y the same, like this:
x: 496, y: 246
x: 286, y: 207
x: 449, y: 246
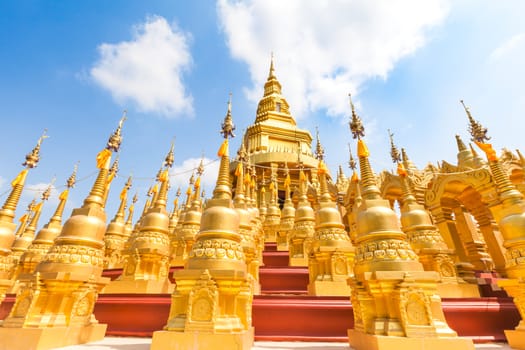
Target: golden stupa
x: 240, y: 203
x: 116, y: 234
x: 287, y: 215
x: 211, y: 304
x: 55, y: 308
x: 44, y: 239
x: 425, y: 239
x: 510, y: 216
x: 331, y: 253
x: 146, y: 260
x: 172, y: 226
x: 395, y: 301
x: 301, y: 236
x: 25, y: 239
x: 7, y: 214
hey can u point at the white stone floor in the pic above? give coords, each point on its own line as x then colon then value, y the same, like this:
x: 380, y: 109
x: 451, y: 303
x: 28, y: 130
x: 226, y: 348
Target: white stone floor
x: 115, y: 343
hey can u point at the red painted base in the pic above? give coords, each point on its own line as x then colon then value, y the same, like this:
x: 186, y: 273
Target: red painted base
x: 300, y: 318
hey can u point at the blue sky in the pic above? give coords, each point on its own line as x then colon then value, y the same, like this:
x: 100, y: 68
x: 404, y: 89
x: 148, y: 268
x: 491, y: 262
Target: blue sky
x: 72, y: 67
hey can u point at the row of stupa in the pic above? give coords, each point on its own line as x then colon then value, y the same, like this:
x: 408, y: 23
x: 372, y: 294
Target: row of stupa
x: 455, y: 220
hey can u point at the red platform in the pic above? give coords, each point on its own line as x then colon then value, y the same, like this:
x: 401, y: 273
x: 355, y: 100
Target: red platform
x: 285, y: 312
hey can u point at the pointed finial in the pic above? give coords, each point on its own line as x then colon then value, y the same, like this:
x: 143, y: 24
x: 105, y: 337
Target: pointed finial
x: 33, y: 157
x: 460, y: 143
x: 227, y: 126
x: 351, y: 162
x: 116, y: 138
x: 319, y: 151
x: 200, y: 168
x: 394, y: 152
x: 356, y: 125
x: 272, y: 70
x: 170, y: 157
x: 47, y: 192
x: 476, y: 130
x: 241, y: 153
x: 522, y: 159
x: 114, y: 167
x: 73, y: 177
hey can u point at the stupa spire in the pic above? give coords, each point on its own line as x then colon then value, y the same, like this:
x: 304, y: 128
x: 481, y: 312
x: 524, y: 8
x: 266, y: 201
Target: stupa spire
x: 70, y: 183
x: 369, y: 185
x: 461, y: 145
x: 97, y: 195
x: 32, y: 159
x: 319, y: 150
x: 222, y: 188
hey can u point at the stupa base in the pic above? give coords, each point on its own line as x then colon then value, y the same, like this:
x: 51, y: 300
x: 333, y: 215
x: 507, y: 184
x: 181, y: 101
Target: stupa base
x: 282, y: 247
x: 454, y: 290
x: 139, y: 287
x: 362, y: 341
x: 329, y: 288
x: 515, y: 338
x: 178, y: 261
x: 200, y: 340
x: 5, y: 286
x: 303, y: 262
x: 49, y: 338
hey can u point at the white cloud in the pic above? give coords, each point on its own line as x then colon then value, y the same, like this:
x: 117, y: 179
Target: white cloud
x: 147, y: 70
x: 325, y: 49
x: 508, y: 46
x: 180, y: 175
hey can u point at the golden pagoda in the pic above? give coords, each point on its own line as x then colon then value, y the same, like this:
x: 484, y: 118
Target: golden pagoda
x: 116, y: 235
x: 510, y: 216
x: 331, y: 254
x: 45, y: 237
x: 272, y: 219
x: 22, y: 242
x: 395, y: 301
x: 146, y: 261
x: 187, y: 227
x: 7, y: 214
x: 128, y: 226
x: 211, y: 306
x: 56, y: 308
x: 254, y: 259
x: 174, y: 221
x: 287, y: 215
x: 246, y: 231
x: 303, y: 231
x: 426, y: 241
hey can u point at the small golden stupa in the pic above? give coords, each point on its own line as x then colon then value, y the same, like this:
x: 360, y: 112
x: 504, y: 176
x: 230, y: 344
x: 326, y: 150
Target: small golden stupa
x: 254, y: 261
x: 510, y: 216
x: 44, y: 238
x: 56, y: 308
x: 188, y: 225
x: 22, y: 242
x: 272, y: 219
x: 395, y: 301
x: 245, y: 219
x: 331, y: 254
x: 174, y: 221
x: 211, y: 306
x: 7, y: 214
x: 426, y: 241
x: 116, y: 235
x: 146, y: 261
x: 287, y: 214
x: 303, y: 231
x: 27, y: 230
